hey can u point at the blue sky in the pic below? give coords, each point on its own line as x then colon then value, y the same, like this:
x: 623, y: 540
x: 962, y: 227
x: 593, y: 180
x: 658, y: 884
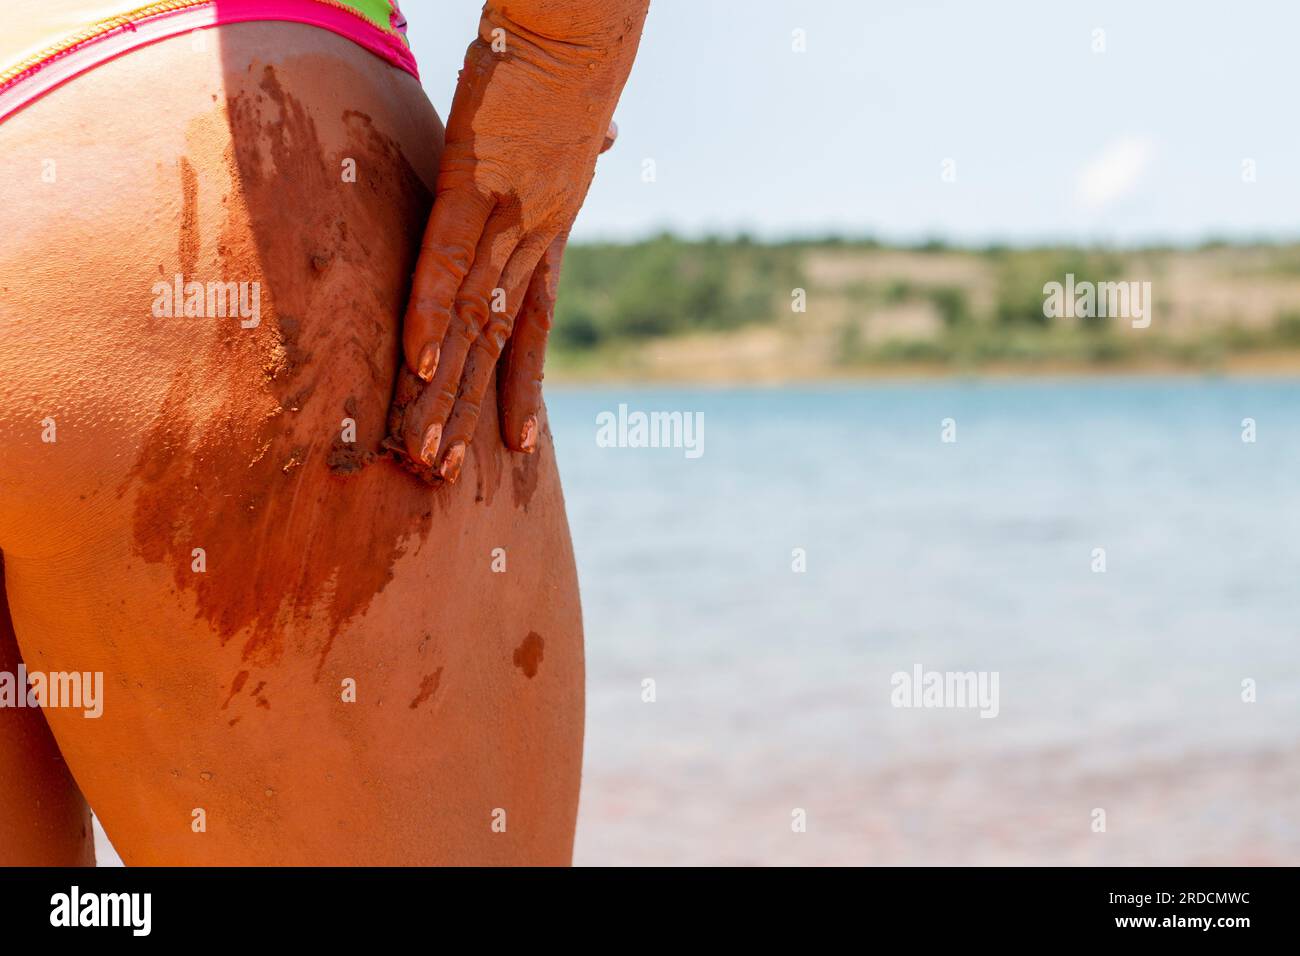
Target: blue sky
x: 1050, y: 140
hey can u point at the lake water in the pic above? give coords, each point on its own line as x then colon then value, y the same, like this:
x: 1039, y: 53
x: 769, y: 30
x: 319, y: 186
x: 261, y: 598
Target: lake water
x: 1119, y: 691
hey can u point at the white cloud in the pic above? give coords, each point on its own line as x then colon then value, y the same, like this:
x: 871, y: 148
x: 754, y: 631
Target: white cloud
x: 1115, y: 173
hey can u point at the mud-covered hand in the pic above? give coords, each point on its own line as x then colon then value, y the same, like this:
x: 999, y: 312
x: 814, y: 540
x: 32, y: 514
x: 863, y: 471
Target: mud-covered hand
x: 531, y: 112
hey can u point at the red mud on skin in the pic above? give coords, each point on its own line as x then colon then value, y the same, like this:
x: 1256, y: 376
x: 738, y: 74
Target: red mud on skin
x: 258, y: 698
x: 189, y: 241
x: 242, y: 460
x: 236, y: 686
x: 428, y: 687
x: 528, y: 655
x: 488, y: 463
x: 524, y: 474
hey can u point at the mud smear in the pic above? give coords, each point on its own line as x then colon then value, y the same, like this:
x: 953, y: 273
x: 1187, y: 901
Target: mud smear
x: 235, y: 687
x: 189, y: 239
x: 346, y: 457
x: 488, y: 461
x: 245, y: 458
x: 258, y: 698
x: 528, y: 655
x: 524, y: 474
x: 428, y: 687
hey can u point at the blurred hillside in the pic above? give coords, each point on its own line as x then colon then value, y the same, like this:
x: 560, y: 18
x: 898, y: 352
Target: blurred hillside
x: 721, y: 310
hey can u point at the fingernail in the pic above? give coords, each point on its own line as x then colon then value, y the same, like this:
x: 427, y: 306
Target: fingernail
x: 450, y: 469
x: 528, y: 441
x: 432, y: 438
x: 429, y: 361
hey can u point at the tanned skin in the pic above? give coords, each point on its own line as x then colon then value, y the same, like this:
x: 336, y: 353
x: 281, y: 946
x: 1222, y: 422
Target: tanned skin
x: 310, y: 656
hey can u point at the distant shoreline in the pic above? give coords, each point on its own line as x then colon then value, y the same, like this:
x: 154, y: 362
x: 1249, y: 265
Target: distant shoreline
x: 668, y: 310
x: 1256, y: 365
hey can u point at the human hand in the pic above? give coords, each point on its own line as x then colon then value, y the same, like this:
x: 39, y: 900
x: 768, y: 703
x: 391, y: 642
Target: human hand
x: 531, y: 112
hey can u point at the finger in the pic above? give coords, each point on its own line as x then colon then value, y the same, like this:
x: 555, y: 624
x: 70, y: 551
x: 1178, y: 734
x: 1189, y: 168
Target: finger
x: 482, y: 361
x: 459, y: 430
x: 407, y: 390
x: 446, y: 258
x: 424, y: 424
x: 611, y: 135
x: 519, y: 387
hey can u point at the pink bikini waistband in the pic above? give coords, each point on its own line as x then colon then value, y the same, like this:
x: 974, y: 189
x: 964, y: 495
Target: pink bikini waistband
x: 63, y: 65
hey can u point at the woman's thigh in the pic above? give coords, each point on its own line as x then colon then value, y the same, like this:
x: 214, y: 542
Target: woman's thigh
x: 44, y: 820
x: 308, y: 656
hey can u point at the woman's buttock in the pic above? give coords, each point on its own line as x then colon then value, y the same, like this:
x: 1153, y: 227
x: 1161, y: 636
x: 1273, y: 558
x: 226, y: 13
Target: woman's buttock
x: 308, y: 656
